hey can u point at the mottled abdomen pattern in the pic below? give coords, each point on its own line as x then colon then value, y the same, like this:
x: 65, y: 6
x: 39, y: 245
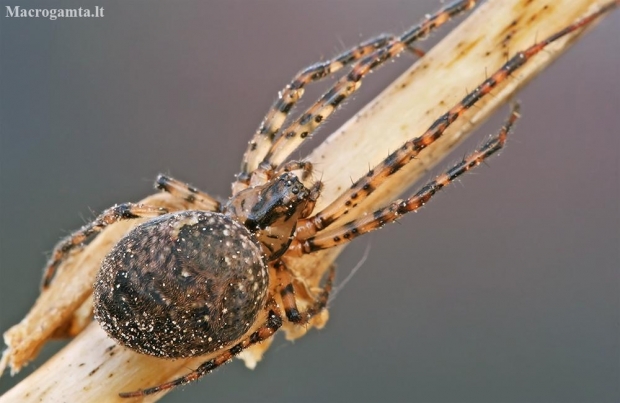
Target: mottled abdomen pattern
x: 183, y: 284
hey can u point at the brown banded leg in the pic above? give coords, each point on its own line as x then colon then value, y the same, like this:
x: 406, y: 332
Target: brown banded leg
x: 347, y: 232
x: 408, y: 151
x: 271, y: 325
x: 190, y: 194
x: 119, y: 212
x: 304, y: 166
x: 291, y: 94
x: 262, y: 141
x: 287, y: 294
x: 295, y: 134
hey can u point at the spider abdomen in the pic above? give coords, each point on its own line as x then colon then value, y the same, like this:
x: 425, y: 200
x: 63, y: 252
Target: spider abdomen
x: 181, y: 285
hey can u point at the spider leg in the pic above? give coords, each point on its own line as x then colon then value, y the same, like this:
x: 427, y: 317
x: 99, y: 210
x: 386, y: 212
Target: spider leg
x: 271, y: 325
x: 307, y: 123
x: 188, y: 193
x: 291, y: 94
x: 304, y: 166
x: 287, y: 294
x: 262, y: 144
x: 119, y: 212
x: 393, y: 211
x: 408, y: 151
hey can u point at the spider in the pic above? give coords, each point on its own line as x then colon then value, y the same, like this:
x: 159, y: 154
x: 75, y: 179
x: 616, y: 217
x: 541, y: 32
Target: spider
x: 270, y: 215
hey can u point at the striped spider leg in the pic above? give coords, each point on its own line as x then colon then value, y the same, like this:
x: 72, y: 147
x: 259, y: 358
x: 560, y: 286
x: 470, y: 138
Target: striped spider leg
x: 364, y: 186
x: 119, y: 212
x: 272, y: 323
x: 190, y: 194
x: 123, y: 212
x: 267, y: 150
x: 287, y: 294
x: 347, y: 232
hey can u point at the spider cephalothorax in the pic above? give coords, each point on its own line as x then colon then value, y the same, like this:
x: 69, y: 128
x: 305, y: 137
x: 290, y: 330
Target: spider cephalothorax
x: 272, y: 210
x: 213, y: 279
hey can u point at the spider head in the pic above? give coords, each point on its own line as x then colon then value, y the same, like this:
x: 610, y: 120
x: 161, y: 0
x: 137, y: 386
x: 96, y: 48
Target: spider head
x: 271, y: 211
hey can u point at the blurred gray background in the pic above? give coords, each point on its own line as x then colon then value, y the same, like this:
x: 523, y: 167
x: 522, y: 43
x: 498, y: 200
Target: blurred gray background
x: 504, y: 289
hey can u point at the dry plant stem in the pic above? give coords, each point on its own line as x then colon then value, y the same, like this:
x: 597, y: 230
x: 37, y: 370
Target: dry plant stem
x: 93, y: 368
